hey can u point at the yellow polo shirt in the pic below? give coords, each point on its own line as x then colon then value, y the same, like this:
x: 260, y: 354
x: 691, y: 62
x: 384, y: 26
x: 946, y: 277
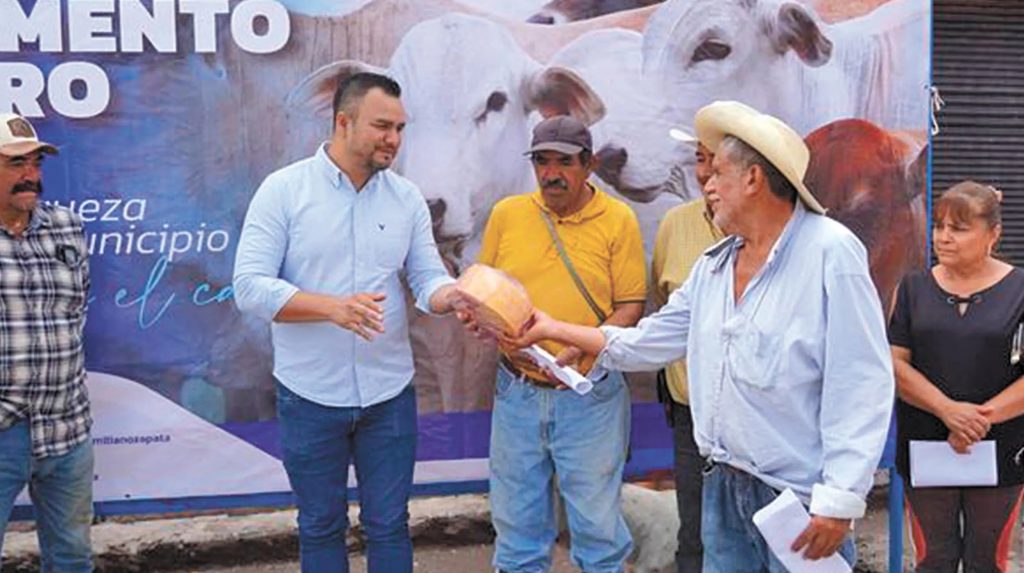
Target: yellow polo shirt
x: 683, y: 235
x: 602, y: 240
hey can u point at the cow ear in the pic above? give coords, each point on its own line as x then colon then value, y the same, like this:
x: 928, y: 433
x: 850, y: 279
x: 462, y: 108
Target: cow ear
x: 559, y: 91
x: 797, y: 29
x: 315, y: 93
x: 917, y: 174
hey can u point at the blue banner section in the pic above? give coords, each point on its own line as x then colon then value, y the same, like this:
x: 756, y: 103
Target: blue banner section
x: 168, y: 115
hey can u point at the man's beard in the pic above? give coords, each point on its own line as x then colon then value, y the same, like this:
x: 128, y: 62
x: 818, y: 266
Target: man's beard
x: 375, y: 166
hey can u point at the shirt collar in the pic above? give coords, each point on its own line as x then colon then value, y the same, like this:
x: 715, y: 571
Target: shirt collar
x: 597, y: 205
x: 335, y: 176
x: 40, y: 218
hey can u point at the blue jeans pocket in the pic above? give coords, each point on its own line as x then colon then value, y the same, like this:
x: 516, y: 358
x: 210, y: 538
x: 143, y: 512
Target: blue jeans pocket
x: 608, y: 388
x: 286, y: 399
x: 503, y: 383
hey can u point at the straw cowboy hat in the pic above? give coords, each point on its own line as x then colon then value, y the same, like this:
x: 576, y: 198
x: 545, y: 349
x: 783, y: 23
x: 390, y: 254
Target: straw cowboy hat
x: 772, y: 138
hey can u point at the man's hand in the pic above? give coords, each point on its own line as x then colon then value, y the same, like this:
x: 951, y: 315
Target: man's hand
x: 446, y: 299
x: 569, y: 356
x: 359, y: 313
x: 967, y: 419
x: 538, y: 327
x: 823, y: 537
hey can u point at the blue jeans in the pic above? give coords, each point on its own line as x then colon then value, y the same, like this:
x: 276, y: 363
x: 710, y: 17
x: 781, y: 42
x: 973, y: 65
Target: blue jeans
x: 318, y: 443
x: 537, y: 433
x: 732, y: 543
x: 61, y: 492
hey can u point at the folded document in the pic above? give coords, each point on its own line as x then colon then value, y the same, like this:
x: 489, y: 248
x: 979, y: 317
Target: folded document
x: 568, y: 376
x: 780, y: 523
x: 936, y: 464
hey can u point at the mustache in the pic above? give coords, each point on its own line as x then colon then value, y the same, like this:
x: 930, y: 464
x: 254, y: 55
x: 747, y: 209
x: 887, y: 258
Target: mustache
x: 28, y: 187
x: 554, y: 183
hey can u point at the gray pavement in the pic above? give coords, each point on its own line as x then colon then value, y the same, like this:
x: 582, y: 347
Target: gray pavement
x: 451, y: 534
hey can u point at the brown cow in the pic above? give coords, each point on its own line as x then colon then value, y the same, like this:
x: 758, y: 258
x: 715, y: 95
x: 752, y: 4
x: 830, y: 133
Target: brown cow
x: 873, y: 181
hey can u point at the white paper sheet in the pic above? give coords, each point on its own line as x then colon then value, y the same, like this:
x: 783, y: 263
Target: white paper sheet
x: 936, y: 464
x: 568, y: 376
x: 780, y: 523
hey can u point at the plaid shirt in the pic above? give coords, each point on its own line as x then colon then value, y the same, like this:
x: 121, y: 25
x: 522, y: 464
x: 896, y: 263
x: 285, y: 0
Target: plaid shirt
x: 44, y: 278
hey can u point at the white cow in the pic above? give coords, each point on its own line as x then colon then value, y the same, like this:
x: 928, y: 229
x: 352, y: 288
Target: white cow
x: 777, y: 56
x: 472, y: 96
x: 637, y: 157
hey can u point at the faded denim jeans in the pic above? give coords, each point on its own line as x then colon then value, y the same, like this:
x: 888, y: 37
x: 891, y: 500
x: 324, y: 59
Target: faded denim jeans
x: 538, y: 433
x: 61, y: 492
x: 732, y: 543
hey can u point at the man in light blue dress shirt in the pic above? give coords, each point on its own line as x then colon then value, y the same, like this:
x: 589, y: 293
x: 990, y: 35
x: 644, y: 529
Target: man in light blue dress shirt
x: 323, y: 247
x: 784, y: 336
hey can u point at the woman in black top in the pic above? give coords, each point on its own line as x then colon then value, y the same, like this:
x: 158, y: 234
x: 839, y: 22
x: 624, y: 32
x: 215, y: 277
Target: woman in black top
x: 956, y: 342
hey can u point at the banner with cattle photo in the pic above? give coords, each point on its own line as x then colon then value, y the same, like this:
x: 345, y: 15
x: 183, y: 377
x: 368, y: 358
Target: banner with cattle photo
x: 169, y: 113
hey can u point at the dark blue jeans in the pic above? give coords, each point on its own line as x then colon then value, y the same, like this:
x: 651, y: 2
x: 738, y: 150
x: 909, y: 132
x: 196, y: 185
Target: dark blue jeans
x: 319, y: 442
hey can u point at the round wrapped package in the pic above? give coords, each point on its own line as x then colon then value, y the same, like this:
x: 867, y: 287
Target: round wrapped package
x: 499, y: 303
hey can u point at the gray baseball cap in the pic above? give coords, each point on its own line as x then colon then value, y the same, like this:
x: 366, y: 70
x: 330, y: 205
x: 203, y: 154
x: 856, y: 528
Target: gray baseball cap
x: 561, y: 133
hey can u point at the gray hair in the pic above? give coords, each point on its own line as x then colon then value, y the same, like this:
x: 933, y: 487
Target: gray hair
x: 742, y: 153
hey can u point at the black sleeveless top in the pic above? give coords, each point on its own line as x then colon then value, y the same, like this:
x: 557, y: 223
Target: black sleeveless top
x: 966, y: 357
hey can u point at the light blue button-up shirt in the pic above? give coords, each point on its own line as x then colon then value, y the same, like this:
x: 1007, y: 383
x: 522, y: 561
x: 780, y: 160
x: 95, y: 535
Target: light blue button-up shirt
x: 309, y: 230
x: 794, y: 384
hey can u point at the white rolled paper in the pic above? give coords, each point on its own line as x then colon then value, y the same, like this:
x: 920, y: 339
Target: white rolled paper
x: 567, y: 375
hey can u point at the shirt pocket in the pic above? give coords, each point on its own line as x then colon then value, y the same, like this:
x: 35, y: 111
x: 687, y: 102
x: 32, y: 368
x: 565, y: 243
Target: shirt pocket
x: 752, y: 355
x: 391, y: 245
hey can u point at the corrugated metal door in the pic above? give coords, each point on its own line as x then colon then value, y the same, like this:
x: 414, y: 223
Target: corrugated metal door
x: 978, y: 67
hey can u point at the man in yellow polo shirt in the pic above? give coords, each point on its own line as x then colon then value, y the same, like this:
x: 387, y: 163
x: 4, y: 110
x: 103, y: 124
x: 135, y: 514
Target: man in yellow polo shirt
x: 684, y: 234
x: 538, y: 429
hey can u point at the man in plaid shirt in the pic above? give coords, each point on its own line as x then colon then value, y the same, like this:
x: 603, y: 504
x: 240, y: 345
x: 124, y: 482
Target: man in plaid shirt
x: 44, y: 406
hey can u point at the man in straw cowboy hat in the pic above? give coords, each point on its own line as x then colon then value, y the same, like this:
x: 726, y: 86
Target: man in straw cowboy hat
x: 784, y: 338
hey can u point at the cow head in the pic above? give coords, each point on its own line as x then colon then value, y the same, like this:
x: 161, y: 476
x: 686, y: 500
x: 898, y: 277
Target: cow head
x: 471, y: 96
x: 747, y: 50
x: 873, y: 182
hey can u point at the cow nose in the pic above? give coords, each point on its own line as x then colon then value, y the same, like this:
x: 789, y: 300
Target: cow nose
x: 437, y: 209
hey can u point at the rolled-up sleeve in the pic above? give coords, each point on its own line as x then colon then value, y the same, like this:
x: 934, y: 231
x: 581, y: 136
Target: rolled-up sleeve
x: 261, y: 249
x: 654, y: 342
x: 858, y: 384
x: 423, y: 266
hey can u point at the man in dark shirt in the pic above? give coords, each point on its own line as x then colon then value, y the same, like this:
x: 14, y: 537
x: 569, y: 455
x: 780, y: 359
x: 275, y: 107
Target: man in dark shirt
x: 44, y: 406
